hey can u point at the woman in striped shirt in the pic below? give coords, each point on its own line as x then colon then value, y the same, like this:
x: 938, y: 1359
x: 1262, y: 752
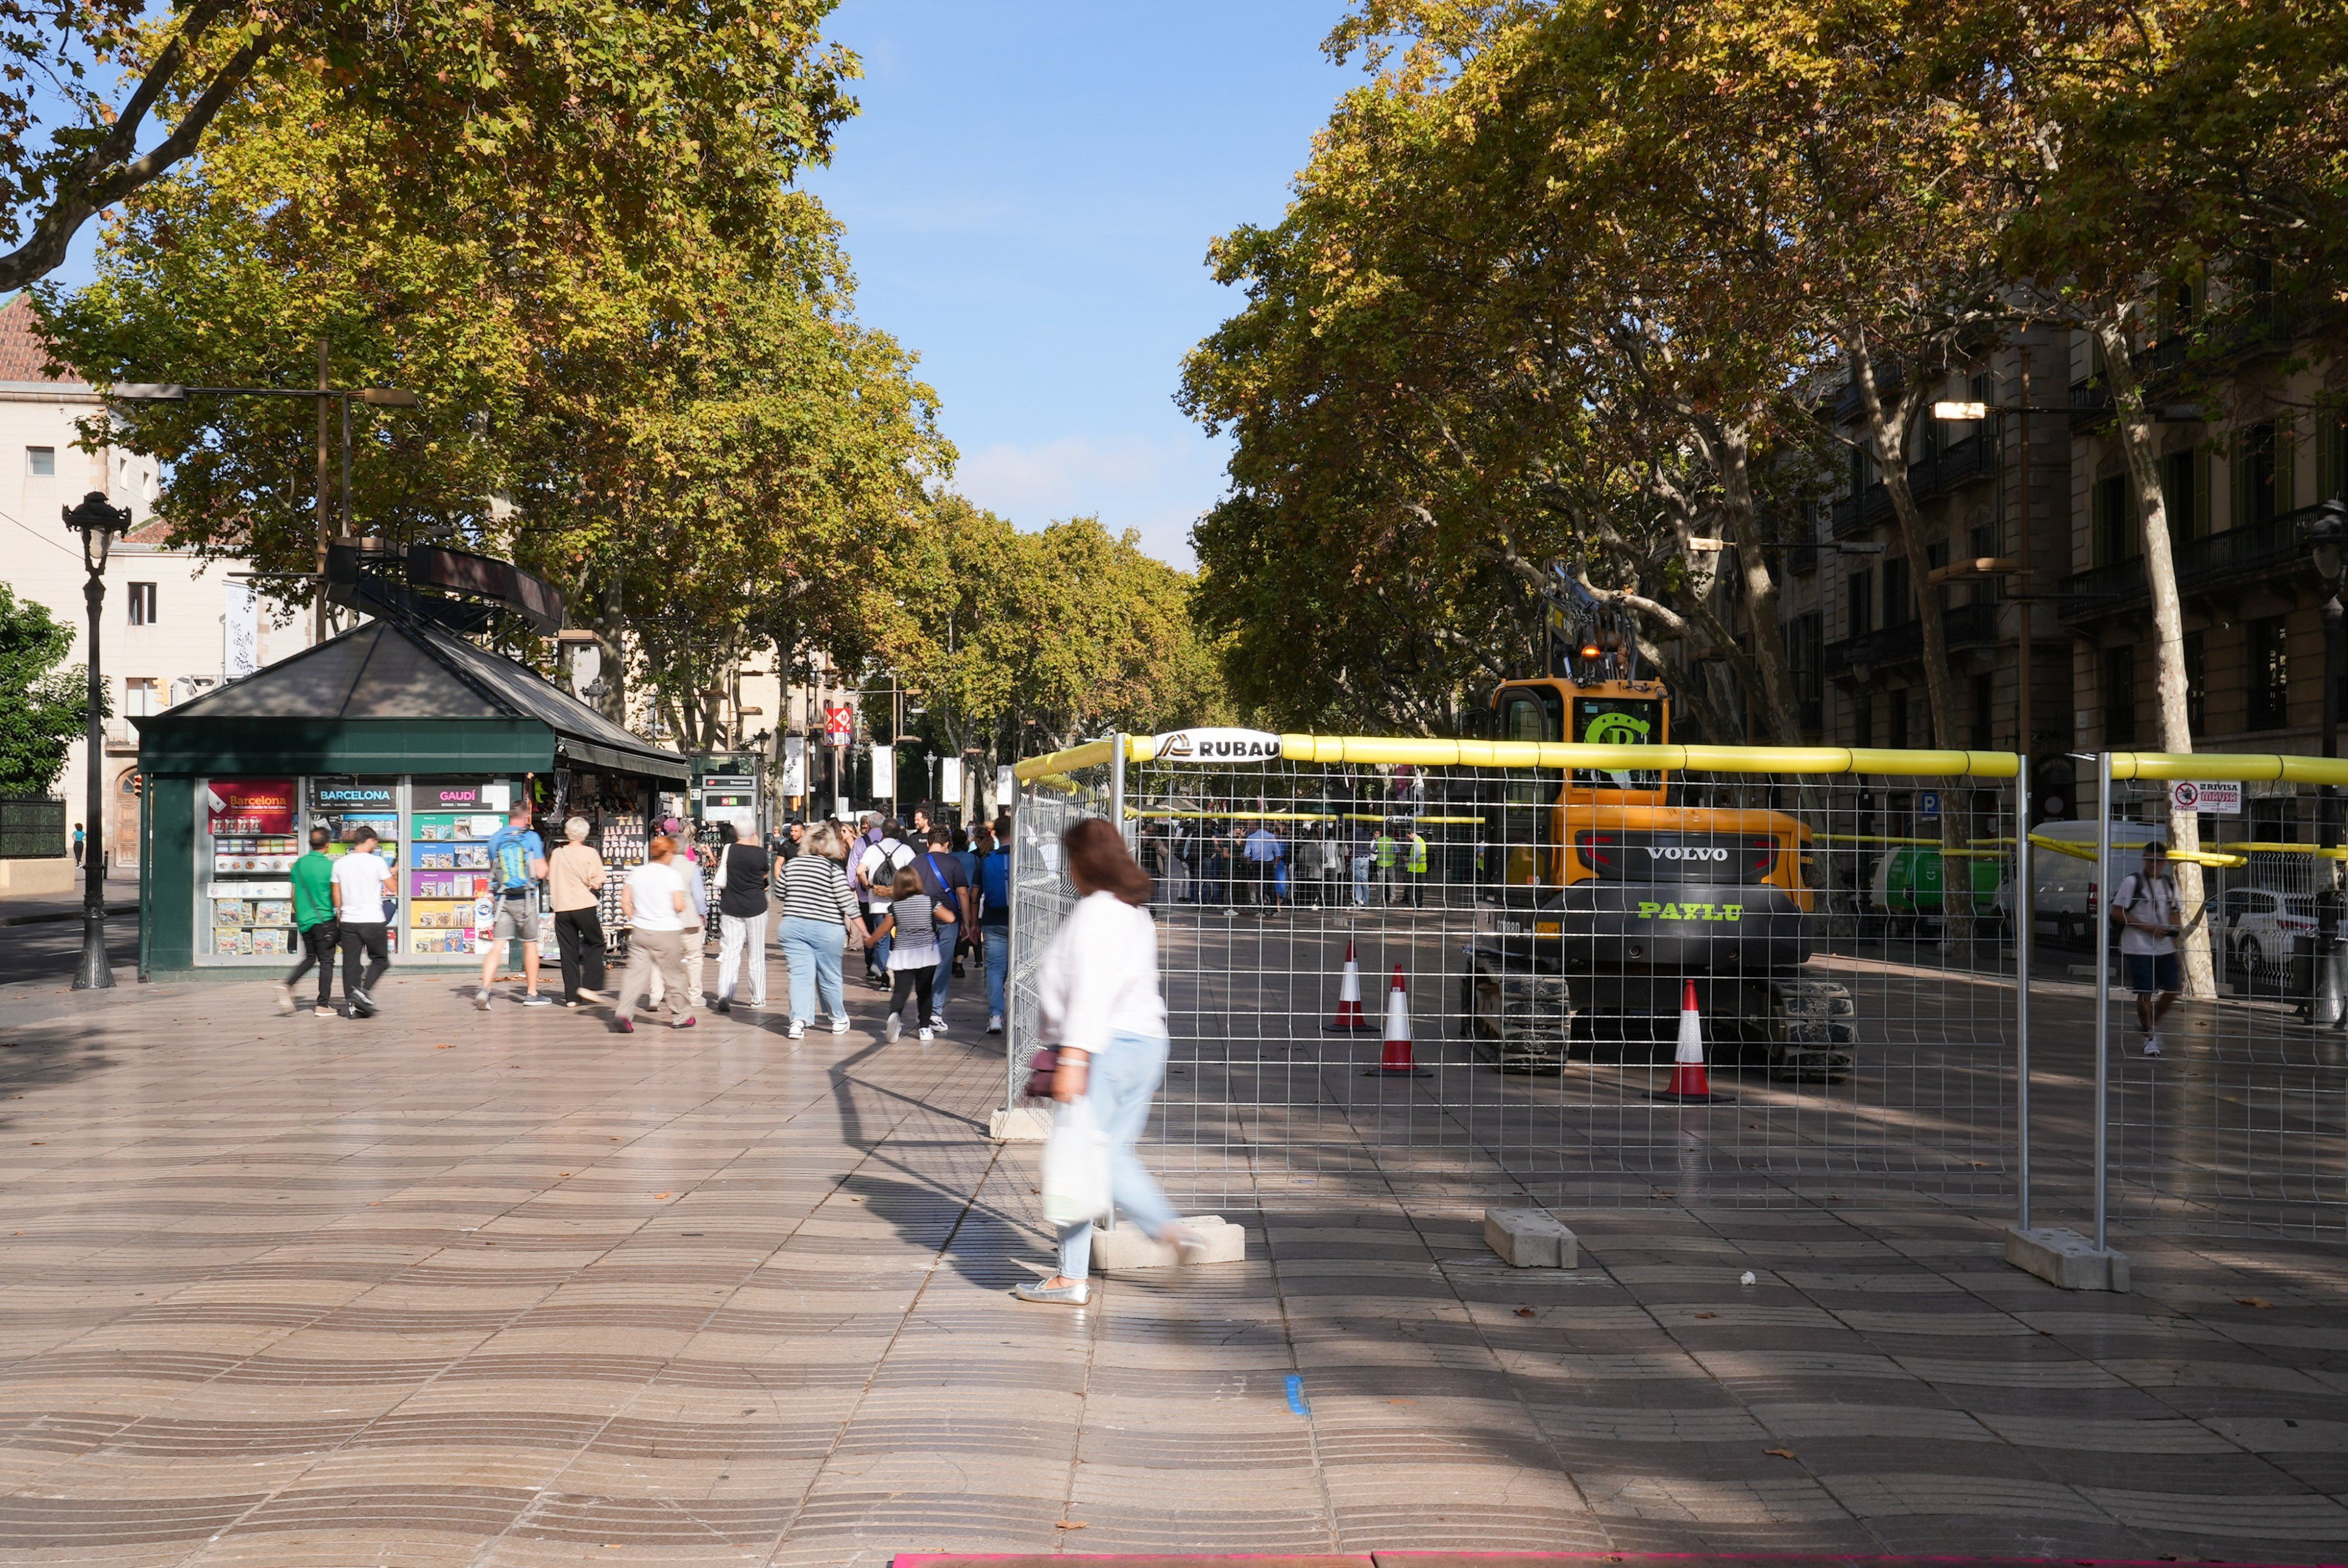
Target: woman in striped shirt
x: 820, y: 923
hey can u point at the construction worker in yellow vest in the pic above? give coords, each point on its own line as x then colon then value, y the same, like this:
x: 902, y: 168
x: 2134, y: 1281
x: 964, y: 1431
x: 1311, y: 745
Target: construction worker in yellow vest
x: 1386, y: 855
x: 1415, y: 863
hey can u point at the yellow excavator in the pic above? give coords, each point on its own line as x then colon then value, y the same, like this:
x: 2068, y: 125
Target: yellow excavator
x: 1615, y: 887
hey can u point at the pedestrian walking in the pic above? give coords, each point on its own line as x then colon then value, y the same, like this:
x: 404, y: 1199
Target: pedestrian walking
x: 911, y: 927
x: 80, y: 840
x: 869, y: 835
x: 995, y: 923
x: 1415, y: 867
x: 820, y: 923
x: 1387, y: 852
x: 1261, y: 850
x: 516, y: 860
x: 945, y: 879
x: 876, y: 870
x: 742, y: 871
x: 574, y: 884
x: 660, y: 921
x: 1364, y: 860
x: 1101, y: 1008
x: 2147, y: 905
x: 360, y: 879
x: 687, y: 864
x: 314, y: 920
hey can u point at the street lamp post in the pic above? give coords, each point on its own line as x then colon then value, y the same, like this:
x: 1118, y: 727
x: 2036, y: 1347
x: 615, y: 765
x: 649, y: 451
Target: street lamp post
x: 2324, y: 539
x: 96, y: 523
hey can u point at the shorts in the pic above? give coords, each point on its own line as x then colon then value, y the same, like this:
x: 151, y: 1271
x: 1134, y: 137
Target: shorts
x: 2148, y: 972
x: 516, y: 917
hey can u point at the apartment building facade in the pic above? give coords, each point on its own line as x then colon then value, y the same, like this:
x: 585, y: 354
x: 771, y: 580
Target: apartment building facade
x: 173, y: 625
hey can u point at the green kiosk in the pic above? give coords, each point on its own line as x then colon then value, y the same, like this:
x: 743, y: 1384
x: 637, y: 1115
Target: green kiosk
x: 401, y: 725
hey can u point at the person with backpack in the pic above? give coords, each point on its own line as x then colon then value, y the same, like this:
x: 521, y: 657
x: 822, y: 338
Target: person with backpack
x: 875, y: 874
x: 914, y: 920
x: 947, y: 883
x: 2146, y: 906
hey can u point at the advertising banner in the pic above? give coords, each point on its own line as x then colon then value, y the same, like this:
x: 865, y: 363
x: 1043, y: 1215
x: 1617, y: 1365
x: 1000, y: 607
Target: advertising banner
x: 241, y: 808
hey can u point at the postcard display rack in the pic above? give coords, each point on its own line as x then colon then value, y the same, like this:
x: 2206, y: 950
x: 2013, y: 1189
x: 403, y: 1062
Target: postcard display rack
x: 247, y: 860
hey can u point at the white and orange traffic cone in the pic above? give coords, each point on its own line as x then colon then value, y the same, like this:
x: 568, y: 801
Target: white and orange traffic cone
x: 1349, y: 1016
x: 1394, y: 1061
x: 1691, y: 1084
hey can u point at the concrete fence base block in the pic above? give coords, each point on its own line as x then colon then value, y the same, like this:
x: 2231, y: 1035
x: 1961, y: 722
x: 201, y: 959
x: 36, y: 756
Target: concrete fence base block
x: 1530, y: 1238
x: 1128, y: 1247
x: 2067, y: 1258
x: 1021, y: 1125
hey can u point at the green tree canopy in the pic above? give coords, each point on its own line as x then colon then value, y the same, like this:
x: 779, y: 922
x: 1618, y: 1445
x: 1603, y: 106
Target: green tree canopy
x: 48, y: 705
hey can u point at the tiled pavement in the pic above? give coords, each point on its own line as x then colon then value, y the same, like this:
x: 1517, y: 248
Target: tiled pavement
x: 441, y: 1289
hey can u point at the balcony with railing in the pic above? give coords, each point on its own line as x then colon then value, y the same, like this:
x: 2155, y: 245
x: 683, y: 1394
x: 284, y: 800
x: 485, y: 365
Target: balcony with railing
x: 1930, y: 476
x: 2212, y: 561
x: 1963, y: 627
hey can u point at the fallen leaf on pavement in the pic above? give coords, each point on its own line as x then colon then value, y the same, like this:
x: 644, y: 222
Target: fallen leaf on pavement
x: 1707, y: 1315
x: 1781, y: 1454
x: 2254, y: 1301
x: 1071, y: 1524
x: 661, y: 1195
x: 1524, y: 1312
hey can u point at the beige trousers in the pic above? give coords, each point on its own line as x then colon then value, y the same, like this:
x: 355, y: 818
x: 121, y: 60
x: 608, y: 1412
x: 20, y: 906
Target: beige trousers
x: 656, y: 958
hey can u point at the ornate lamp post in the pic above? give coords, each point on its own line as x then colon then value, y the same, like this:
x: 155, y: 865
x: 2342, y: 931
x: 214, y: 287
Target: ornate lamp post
x: 96, y: 523
x: 2324, y: 539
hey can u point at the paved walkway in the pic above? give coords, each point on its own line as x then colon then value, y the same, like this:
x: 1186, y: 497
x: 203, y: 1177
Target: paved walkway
x: 446, y: 1289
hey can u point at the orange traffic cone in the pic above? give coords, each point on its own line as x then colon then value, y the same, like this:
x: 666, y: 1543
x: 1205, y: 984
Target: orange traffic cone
x: 1691, y: 1085
x: 1350, y: 1016
x: 1394, y: 1061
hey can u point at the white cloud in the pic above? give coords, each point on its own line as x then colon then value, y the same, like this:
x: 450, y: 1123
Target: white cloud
x: 1157, y: 485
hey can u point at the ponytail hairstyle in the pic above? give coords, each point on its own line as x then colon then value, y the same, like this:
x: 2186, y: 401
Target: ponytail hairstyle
x: 1098, y: 861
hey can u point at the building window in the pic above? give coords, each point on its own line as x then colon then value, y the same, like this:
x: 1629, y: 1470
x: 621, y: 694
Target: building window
x: 2255, y: 477
x: 2196, y: 688
x: 2119, y: 697
x: 141, y: 695
x: 2267, y: 653
x: 1862, y: 715
x: 1898, y: 604
x: 1899, y: 737
x: 142, y: 603
x: 1859, y: 617
x: 1805, y: 652
x: 41, y: 462
x: 2182, y: 492
x: 1985, y: 711
x: 2113, y: 521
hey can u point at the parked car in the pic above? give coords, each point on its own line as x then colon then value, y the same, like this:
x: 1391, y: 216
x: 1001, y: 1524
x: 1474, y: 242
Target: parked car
x: 2063, y: 885
x: 2258, y: 925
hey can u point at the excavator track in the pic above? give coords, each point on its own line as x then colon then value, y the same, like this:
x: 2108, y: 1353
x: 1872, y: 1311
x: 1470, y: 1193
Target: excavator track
x: 1813, y: 1030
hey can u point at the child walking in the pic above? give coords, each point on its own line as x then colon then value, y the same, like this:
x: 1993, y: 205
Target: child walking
x: 913, y: 919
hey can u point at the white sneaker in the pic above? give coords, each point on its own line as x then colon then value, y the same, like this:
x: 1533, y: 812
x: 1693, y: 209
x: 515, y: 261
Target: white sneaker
x: 937, y: 1023
x: 2152, y: 1045
x: 925, y: 1035
x: 840, y: 1024
x: 481, y: 999
x: 994, y: 1023
x: 285, y: 998
x: 798, y: 1030
x: 893, y: 1028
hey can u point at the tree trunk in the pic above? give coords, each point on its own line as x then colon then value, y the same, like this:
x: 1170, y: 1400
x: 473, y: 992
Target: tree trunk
x: 1731, y: 454
x: 2135, y: 433
x: 1889, y: 430
x: 612, y: 655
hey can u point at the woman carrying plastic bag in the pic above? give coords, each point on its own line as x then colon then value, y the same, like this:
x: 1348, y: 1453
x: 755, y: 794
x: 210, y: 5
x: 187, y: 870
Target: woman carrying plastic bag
x: 1101, y: 1009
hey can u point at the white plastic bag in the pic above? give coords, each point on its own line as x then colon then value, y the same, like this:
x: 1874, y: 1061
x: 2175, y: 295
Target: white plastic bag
x: 1076, y: 1165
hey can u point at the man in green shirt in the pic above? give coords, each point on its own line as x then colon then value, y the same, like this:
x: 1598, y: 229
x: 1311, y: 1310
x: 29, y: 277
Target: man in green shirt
x: 313, y: 917
x: 1383, y: 851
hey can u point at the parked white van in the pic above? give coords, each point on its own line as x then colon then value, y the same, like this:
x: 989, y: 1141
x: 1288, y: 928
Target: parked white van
x: 2063, y: 885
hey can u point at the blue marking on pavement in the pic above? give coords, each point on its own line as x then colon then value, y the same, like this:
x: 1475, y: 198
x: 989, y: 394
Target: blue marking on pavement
x: 1296, y: 1396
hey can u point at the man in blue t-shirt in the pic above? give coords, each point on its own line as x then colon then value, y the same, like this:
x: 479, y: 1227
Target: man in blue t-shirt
x: 516, y: 860
x: 995, y: 915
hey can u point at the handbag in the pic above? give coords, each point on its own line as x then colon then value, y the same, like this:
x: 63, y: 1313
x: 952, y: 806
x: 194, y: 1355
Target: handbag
x: 1075, y: 1174
x: 1041, y: 1069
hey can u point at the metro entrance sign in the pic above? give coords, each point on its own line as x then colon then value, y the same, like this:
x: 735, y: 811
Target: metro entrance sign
x: 839, y: 724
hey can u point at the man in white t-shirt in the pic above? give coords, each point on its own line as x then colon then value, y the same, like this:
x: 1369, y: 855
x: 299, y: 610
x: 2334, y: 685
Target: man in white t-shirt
x: 2146, y: 904
x: 876, y: 869
x: 360, y: 880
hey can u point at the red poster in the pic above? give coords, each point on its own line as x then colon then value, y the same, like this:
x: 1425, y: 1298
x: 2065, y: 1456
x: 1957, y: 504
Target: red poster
x: 839, y: 725
x: 236, y: 806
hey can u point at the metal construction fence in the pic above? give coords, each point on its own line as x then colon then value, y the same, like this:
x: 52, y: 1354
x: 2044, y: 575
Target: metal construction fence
x: 1463, y: 969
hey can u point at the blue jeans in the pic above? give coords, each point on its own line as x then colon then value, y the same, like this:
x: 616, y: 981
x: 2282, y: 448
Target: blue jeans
x: 812, y: 948
x: 1120, y: 1082
x: 998, y: 968
x: 949, y: 938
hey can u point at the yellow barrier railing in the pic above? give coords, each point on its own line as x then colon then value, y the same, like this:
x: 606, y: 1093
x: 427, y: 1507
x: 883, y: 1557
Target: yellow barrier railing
x: 2229, y: 767
x: 1393, y: 751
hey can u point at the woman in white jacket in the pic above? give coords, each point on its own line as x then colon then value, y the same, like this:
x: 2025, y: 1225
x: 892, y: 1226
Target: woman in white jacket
x: 1098, y: 987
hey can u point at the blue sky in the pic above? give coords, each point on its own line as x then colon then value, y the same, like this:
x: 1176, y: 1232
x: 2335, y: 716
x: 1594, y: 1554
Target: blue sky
x: 1028, y: 196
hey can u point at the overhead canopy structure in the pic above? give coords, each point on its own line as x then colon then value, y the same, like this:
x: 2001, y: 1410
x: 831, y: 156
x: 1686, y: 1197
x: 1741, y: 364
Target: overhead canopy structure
x: 388, y: 698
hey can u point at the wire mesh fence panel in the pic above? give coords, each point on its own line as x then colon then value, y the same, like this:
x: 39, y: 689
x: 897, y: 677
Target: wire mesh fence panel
x: 1082, y: 785
x: 2238, y: 1121
x: 1469, y: 969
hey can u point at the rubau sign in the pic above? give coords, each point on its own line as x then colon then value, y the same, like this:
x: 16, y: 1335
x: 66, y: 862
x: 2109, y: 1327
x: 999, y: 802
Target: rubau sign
x: 1217, y: 745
